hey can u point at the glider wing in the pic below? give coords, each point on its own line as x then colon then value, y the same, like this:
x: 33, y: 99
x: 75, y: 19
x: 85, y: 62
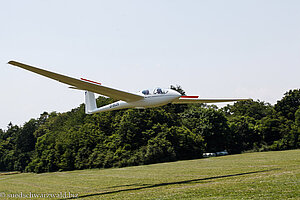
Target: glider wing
x: 82, y: 84
x: 196, y: 99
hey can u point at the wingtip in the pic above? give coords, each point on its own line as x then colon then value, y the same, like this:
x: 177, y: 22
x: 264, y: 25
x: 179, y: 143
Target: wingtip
x: 11, y: 62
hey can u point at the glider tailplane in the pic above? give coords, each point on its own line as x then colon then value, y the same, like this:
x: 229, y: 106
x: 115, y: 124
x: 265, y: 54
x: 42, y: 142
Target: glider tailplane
x: 90, y: 102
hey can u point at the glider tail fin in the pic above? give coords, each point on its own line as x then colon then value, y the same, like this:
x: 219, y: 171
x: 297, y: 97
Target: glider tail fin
x: 90, y: 102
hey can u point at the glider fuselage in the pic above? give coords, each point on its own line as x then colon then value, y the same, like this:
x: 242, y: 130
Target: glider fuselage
x: 154, y: 99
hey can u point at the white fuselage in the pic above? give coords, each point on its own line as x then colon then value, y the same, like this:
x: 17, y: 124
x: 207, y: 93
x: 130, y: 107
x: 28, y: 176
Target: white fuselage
x: 150, y: 100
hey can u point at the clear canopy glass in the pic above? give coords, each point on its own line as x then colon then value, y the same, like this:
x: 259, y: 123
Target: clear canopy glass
x: 155, y: 91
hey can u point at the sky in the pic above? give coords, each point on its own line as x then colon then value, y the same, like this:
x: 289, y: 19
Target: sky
x: 214, y: 49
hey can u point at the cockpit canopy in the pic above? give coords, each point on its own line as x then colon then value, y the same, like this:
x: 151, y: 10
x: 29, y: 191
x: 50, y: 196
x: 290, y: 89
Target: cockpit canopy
x: 155, y: 91
x: 145, y: 92
x: 159, y: 91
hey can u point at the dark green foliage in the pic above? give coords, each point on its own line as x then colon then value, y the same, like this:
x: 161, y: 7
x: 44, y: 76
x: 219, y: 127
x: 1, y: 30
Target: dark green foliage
x: 243, y: 134
x: 297, y: 129
x: 17, y: 146
x: 74, y: 140
x: 289, y: 104
x: 208, y: 122
x: 254, y: 109
x: 260, y: 126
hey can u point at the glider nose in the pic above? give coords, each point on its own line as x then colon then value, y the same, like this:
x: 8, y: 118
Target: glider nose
x: 175, y: 93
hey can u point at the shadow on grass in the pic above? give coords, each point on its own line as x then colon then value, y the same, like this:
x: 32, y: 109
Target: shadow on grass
x: 146, y: 186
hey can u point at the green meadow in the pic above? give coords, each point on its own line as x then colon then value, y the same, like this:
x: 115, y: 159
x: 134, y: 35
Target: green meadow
x: 264, y: 175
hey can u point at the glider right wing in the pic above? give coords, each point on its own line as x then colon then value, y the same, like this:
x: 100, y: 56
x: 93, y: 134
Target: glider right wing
x: 82, y: 84
x: 196, y: 99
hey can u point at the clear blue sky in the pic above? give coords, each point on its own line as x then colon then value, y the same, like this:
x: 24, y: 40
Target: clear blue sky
x: 214, y: 49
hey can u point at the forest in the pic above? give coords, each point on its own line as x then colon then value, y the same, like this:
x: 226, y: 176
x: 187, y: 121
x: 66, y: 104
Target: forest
x: 74, y: 140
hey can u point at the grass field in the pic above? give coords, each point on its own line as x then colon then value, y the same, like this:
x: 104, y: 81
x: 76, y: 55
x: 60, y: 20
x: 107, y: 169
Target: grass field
x: 266, y: 175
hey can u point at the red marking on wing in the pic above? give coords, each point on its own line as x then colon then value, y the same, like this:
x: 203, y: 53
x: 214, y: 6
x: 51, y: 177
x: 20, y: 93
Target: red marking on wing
x: 90, y: 81
x: 191, y: 97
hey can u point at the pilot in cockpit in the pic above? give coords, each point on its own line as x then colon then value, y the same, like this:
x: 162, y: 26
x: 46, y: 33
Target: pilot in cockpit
x: 145, y: 92
x: 159, y: 91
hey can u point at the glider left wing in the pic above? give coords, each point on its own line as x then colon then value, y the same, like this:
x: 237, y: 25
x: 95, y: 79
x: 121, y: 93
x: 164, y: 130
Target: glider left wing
x: 196, y: 99
x: 82, y: 84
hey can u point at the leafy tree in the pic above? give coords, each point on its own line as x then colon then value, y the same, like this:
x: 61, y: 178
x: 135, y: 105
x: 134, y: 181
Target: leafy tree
x: 255, y: 109
x: 25, y: 140
x: 210, y: 123
x: 178, y: 88
x: 1, y: 134
x: 297, y: 117
x: 159, y: 149
x: 269, y: 128
x: 289, y: 104
x: 243, y: 134
x: 9, y: 155
x: 297, y: 132
x: 187, y: 145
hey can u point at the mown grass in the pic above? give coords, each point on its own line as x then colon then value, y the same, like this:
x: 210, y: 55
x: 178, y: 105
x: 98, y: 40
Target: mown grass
x: 266, y: 175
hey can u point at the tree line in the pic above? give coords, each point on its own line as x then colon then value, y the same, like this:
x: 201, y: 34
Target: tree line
x: 74, y: 140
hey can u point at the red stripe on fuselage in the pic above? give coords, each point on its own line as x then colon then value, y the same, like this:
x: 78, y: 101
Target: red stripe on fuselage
x: 191, y: 97
x: 90, y: 81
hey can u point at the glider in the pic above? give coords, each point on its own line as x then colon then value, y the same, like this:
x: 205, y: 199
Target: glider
x: 142, y: 99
